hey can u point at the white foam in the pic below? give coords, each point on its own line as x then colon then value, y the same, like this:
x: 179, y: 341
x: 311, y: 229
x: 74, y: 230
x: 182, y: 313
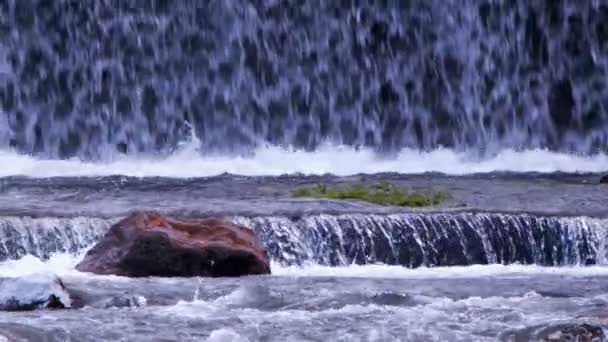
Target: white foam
x: 61, y: 263
x: 225, y: 335
x: 188, y: 162
x: 65, y: 263
x: 400, y: 272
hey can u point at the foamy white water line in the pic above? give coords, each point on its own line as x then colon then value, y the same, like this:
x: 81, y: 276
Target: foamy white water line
x: 64, y: 264
x: 341, y: 161
x: 400, y: 272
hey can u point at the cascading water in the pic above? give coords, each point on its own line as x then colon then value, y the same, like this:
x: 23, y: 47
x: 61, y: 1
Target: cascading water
x: 414, y: 240
x: 110, y: 106
x: 88, y: 78
x: 42, y: 237
x: 410, y: 240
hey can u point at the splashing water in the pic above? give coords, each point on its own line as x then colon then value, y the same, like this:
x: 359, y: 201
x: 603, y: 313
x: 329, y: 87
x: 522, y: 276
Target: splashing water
x: 187, y: 163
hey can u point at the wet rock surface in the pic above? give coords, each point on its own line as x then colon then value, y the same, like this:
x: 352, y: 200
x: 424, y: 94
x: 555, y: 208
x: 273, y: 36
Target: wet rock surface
x: 37, y: 291
x: 573, y: 332
x: 148, y: 244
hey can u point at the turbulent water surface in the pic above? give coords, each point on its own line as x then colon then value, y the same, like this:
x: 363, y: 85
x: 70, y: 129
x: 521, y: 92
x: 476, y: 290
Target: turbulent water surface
x: 355, y: 303
x: 342, y: 270
x: 224, y: 108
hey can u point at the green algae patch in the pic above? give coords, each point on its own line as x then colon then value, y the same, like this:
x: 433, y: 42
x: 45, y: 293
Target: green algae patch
x: 383, y: 193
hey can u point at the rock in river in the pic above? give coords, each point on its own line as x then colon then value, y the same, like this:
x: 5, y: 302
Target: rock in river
x: 32, y: 292
x: 574, y: 332
x: 149, y: 244
x: 604, y: 180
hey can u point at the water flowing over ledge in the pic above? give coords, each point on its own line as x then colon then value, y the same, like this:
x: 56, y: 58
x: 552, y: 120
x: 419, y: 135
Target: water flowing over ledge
x: 43, y: 237
x: 411, y: 240
x: 415, y: 240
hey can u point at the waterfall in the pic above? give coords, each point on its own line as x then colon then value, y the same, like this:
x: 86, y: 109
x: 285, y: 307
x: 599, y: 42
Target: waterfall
x: 96, y: 78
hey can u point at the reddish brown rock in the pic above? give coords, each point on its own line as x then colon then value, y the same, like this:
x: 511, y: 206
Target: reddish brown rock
x: 149, y: 244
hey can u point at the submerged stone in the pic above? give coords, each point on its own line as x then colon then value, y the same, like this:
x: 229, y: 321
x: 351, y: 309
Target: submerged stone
x: 148, y: 244
x: 38, y: 291
x: 574, y: 332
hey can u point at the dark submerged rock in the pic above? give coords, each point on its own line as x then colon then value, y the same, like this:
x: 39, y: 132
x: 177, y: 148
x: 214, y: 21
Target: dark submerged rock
x: 38, y: 291
x: 119, y: 301
x: 574, y: 332
x: 604, y: 180
x: 148, y: 244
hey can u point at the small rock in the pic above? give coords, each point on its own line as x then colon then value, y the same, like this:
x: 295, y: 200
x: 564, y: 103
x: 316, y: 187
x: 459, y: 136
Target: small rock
x: 604, y: 180
x: 37, y: 291
x: 574, y: 332
x: 120, y: 302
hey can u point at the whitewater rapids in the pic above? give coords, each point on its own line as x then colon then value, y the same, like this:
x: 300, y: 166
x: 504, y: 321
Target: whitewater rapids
x: 362, y: 303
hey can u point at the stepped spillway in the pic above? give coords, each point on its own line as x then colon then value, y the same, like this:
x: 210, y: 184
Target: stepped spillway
x: 411, y: 240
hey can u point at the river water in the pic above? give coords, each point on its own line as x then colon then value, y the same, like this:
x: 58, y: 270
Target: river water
x: 314, y: 303
x: 348, y: 271
x: 223, y: 108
